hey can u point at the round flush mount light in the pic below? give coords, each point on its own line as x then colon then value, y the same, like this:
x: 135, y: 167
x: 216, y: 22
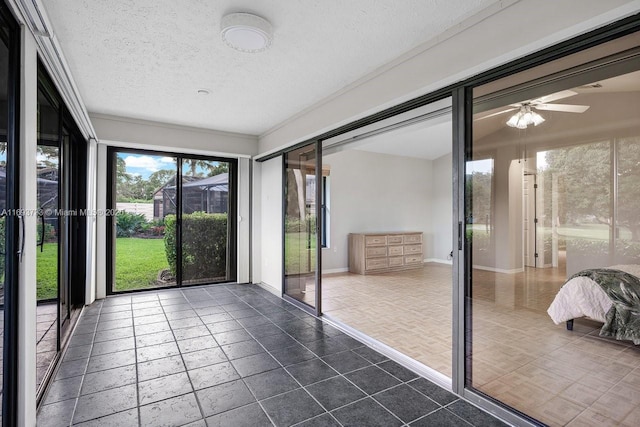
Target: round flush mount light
x: 246, y: 32
x: 203, y: 92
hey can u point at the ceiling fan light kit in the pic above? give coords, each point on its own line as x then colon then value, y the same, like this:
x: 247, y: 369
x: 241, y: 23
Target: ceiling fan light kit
x: 246, y: 32
x: 525, y: 117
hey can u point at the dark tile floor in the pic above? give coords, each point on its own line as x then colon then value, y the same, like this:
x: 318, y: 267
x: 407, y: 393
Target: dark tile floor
x: 233, y: 355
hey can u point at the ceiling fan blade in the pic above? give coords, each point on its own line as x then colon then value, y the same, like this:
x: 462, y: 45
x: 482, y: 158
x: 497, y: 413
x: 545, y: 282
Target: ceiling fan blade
x: 554, y: 96
x: 496, y: 114
x: 562, y: 107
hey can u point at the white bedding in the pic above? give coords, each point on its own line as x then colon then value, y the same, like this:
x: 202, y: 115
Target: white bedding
x: 582, y: 297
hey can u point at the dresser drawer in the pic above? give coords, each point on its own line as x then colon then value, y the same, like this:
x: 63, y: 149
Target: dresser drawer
x: 396, y: 250
x: 376, y: 263
x: 413, y: 259
x: 375, y: 240
x: 394, y: 240
x: 395, y: 261
x: 412, y: 238
x: 376, y: 251
x: 412, y: 249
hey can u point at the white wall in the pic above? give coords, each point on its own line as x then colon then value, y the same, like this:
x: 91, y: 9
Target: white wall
x: 513, y: 31
x: 158, y: 136
x: 140, y: 134
x: 373, y: 192
x: 441, y: 204
x: 270, y: 231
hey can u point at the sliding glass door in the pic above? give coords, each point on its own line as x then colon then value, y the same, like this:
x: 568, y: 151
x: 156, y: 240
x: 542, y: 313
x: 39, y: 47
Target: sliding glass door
x: 9, y: 221
x: 301, y: 230
x: 61, y: 236
x: 175, y: 220
x: 542, y: 333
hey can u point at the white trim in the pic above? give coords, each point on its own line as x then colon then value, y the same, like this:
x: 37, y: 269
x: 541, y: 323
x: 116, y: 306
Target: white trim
x: 26, y: 411
x: 269, y: 288
x: 439, y: 261
x: 101, y: 221
x: 243, y: 256
x: 336, y: 270
x: 177, y: 150
x: 498, y: 270
x: 90, y: 283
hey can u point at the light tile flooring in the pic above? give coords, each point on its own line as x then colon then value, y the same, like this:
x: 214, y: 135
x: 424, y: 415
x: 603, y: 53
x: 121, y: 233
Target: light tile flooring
x: 233, y: 355
x: 519, y: 356
x: 409, y: 310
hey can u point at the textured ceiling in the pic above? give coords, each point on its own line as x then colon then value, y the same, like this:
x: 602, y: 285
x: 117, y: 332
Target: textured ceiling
x: 146, y: 59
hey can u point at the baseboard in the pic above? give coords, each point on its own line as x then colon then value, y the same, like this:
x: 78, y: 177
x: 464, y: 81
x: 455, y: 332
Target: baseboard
x: 498, y: 270
x: 335, y: 270
x: 439, y: 261
x: 269, y: 288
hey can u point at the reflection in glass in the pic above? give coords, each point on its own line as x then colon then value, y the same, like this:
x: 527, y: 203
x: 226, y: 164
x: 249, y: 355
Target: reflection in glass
x: 205, y: 226
x: 300, y: 224
x: 48, y: 232
x: 145, y: 195
x: 560, y: 197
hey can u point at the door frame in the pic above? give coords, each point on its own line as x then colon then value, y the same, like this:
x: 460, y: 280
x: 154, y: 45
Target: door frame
x: 232, y: 216
x: 317, y: 309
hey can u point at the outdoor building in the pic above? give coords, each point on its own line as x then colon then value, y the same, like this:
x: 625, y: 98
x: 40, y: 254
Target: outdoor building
x: 284, y: 213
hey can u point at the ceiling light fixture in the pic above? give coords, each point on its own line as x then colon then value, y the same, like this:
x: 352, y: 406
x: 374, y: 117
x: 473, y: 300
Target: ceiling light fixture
x: 246, y: 32
x: 525, y: 117
x: 203, y: 92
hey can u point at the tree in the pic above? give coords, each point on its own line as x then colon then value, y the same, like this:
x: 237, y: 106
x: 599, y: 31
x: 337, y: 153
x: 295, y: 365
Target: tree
x: 629, y: 185
x: 211, y: 168
x: 584, y: 173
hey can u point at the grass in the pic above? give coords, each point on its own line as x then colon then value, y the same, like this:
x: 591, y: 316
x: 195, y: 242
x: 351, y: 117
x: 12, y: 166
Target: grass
x: 47, y: 271
x: 138, y: 262
x: 297, y: 254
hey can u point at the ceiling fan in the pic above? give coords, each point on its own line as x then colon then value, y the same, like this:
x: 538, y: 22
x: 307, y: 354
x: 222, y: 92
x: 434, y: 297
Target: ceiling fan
x: 525, y: 115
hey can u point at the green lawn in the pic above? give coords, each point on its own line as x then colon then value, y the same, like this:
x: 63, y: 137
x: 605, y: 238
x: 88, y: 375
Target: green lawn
x: 138, y: 262
x: 47, y: 271
x: 297, y: 254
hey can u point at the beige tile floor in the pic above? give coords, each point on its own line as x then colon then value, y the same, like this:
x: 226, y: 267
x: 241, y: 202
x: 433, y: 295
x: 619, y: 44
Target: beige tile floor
x: 519, y: 356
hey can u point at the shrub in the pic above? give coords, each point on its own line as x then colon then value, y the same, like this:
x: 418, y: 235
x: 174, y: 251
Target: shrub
x: 49, y: 232
x: 204, y: 245
x: 128, y: 224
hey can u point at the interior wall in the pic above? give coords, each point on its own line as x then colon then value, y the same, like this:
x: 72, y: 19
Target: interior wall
x: 373, y: 192
x: 117, y: 131
x: 158, y: 136
x: 441, y: 243
x: 270, y: 230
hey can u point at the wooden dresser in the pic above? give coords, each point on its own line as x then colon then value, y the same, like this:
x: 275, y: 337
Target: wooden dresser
x: 380, y: 252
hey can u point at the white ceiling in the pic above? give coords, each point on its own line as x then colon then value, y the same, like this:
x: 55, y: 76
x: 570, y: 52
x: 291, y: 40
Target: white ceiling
x: 426, y: 140
x: 146, y: 59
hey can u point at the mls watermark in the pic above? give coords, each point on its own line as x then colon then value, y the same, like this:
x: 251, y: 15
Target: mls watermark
x: 48, y: 212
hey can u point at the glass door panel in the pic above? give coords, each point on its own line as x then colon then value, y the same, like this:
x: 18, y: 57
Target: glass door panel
x: 627, y: 231
x: 534, y: 333
x: 300, y: 246
x: 48, y: 259
x: 205, y: 221
x: 145, y: 226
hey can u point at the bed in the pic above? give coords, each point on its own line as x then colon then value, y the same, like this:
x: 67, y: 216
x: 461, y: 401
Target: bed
x: 609, y: 295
